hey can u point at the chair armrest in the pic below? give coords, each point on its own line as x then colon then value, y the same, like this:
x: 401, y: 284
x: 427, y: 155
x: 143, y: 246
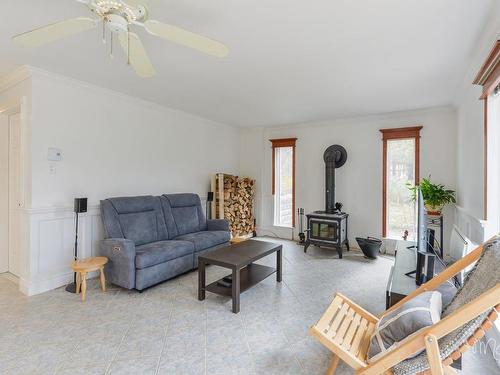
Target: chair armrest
x: 218, y: 224
x: 416, y: 342
x: 437, y: 280
x: 361, y: 311
x: 120, y: 269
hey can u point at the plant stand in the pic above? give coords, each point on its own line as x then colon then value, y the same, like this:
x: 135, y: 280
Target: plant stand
x: 436, y: 222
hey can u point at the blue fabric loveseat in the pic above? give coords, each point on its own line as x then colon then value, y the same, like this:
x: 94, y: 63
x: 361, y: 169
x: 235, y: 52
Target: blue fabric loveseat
x: 152, y: 239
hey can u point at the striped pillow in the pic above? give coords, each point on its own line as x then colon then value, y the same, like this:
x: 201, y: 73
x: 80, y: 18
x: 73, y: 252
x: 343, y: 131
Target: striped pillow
x: 418, y: 313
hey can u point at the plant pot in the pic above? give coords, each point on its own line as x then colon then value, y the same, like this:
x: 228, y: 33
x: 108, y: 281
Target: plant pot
x: 434, y: 210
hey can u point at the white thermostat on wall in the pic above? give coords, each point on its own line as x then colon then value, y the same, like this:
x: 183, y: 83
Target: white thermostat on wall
x: 54, y: 154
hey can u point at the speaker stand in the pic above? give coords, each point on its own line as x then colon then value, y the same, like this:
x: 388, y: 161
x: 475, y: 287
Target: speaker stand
x: 71, y: 288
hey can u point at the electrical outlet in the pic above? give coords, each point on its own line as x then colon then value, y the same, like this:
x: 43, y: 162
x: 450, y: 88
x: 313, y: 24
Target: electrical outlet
x: 52, y: 169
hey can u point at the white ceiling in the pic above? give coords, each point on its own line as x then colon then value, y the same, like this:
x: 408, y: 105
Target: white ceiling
x: 290, y: 61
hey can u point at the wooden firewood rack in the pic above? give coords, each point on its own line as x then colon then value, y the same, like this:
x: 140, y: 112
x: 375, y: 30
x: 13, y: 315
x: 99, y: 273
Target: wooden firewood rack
x: 234, y: 201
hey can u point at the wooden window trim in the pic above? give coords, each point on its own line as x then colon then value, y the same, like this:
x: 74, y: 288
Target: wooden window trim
x: 489, y: 74
x: 285, y: 142
x: 488, y: 77
x: 412, y: 132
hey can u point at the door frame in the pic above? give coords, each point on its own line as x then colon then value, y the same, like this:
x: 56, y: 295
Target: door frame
x: 14, y: 194
x: 5, y: 113
x: 4, y: 205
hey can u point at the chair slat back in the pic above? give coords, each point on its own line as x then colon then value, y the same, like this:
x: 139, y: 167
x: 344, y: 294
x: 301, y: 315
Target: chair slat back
x: 484, y: 276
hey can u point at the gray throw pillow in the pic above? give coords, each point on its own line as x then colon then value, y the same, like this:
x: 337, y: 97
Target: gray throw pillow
x: 420, y: 312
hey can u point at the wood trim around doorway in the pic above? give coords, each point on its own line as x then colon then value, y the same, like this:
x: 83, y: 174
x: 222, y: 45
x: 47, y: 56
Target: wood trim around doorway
x: 412, y: 132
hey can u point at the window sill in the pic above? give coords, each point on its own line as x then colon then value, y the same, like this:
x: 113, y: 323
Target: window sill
x: 396, y: 238
x: 282, y: 226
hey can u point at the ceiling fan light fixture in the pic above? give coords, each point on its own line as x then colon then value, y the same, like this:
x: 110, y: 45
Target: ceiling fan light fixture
x: 118, y: 16
x: 116, y: 23
x: 104, y: 8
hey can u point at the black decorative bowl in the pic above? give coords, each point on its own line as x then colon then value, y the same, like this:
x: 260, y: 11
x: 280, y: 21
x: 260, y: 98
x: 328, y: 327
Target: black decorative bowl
x: 370, y: 246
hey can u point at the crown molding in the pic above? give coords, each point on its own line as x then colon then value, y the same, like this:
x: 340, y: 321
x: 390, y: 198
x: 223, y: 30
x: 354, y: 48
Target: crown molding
x: 38, y: 72
x: 24, y: 72
x: 17, y: 76
x: 403, y: 116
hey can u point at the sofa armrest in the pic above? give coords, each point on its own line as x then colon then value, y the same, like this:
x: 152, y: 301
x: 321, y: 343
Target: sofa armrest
x: 218, y: 224
x: 120, y: 269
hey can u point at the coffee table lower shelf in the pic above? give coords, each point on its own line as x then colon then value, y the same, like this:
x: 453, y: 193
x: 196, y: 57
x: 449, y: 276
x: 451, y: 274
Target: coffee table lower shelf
x: 249, y: 276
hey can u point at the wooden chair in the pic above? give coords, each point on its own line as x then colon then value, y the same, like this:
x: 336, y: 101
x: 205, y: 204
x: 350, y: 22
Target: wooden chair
x: 346, y: 328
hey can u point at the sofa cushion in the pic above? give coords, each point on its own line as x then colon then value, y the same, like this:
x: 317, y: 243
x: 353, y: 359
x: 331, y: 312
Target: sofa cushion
x: 186, y: 219
x: 204, y: 240
x: 169, y: 217
x: 126, y: 217
x: 186, y: 212
x: 162, y: 251
x: 139, y: 227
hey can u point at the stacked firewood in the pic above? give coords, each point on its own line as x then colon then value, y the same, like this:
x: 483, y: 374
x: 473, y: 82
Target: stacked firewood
x: 238, y: 196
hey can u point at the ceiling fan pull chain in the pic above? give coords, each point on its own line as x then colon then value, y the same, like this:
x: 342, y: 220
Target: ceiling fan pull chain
x: 128, y: 45
x: 104, y: 31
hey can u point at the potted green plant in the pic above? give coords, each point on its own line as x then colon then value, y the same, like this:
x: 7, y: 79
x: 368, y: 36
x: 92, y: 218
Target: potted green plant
x: 436, y: 196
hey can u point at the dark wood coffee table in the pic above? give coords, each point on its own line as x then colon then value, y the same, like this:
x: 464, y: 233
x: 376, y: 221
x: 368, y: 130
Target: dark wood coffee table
x: 239, y: 258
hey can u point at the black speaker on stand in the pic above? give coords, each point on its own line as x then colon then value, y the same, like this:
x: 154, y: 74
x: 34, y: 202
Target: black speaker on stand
x: 208, y: 208
x: 80, y: 207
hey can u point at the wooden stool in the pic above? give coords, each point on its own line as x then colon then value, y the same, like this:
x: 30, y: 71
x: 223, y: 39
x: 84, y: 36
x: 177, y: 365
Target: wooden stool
x: 83, y: 266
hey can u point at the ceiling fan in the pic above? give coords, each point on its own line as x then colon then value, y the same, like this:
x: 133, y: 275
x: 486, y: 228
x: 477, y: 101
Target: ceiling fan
x: 118, y: 16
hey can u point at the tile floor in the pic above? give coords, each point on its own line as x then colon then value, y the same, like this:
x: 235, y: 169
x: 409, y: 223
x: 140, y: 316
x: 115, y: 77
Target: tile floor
x: 166, y: 330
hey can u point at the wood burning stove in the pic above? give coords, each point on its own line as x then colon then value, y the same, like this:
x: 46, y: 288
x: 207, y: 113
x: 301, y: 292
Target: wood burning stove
x: 329, y: 228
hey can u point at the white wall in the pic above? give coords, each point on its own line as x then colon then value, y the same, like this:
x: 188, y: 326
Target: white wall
x: 470, y: 143
x: 359, y: 181
x: 112, y: 145
x: 470, y: 137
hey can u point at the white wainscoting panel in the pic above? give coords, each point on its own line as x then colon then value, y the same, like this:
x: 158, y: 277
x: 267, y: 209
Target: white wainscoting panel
x: 51, y: 249
x: 469, y: 226
x: 50, y: 245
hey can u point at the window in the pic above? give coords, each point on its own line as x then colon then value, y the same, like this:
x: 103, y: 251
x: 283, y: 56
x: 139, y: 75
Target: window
x: 493, y: 163
x: 401, y: 149
x: 489, y: 78
x: 284, y: 181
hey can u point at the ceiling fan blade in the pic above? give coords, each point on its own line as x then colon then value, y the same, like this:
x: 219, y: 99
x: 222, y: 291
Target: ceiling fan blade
x: 135, y: 3
x: 186, y: 38
x: 55, y: 31
x: 137, y: 55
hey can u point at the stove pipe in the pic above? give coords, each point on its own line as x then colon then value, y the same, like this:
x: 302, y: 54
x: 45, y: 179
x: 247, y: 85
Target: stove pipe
x: 330, y: 187
x: 335, y: 156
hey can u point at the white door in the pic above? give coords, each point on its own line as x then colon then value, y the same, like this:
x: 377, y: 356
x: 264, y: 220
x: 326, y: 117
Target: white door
x: 4, y: 193
x: 14, y: 192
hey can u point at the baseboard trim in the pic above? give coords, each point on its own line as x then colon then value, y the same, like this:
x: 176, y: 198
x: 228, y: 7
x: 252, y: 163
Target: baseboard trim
x: 38, y: 286
x: 10, y: 277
